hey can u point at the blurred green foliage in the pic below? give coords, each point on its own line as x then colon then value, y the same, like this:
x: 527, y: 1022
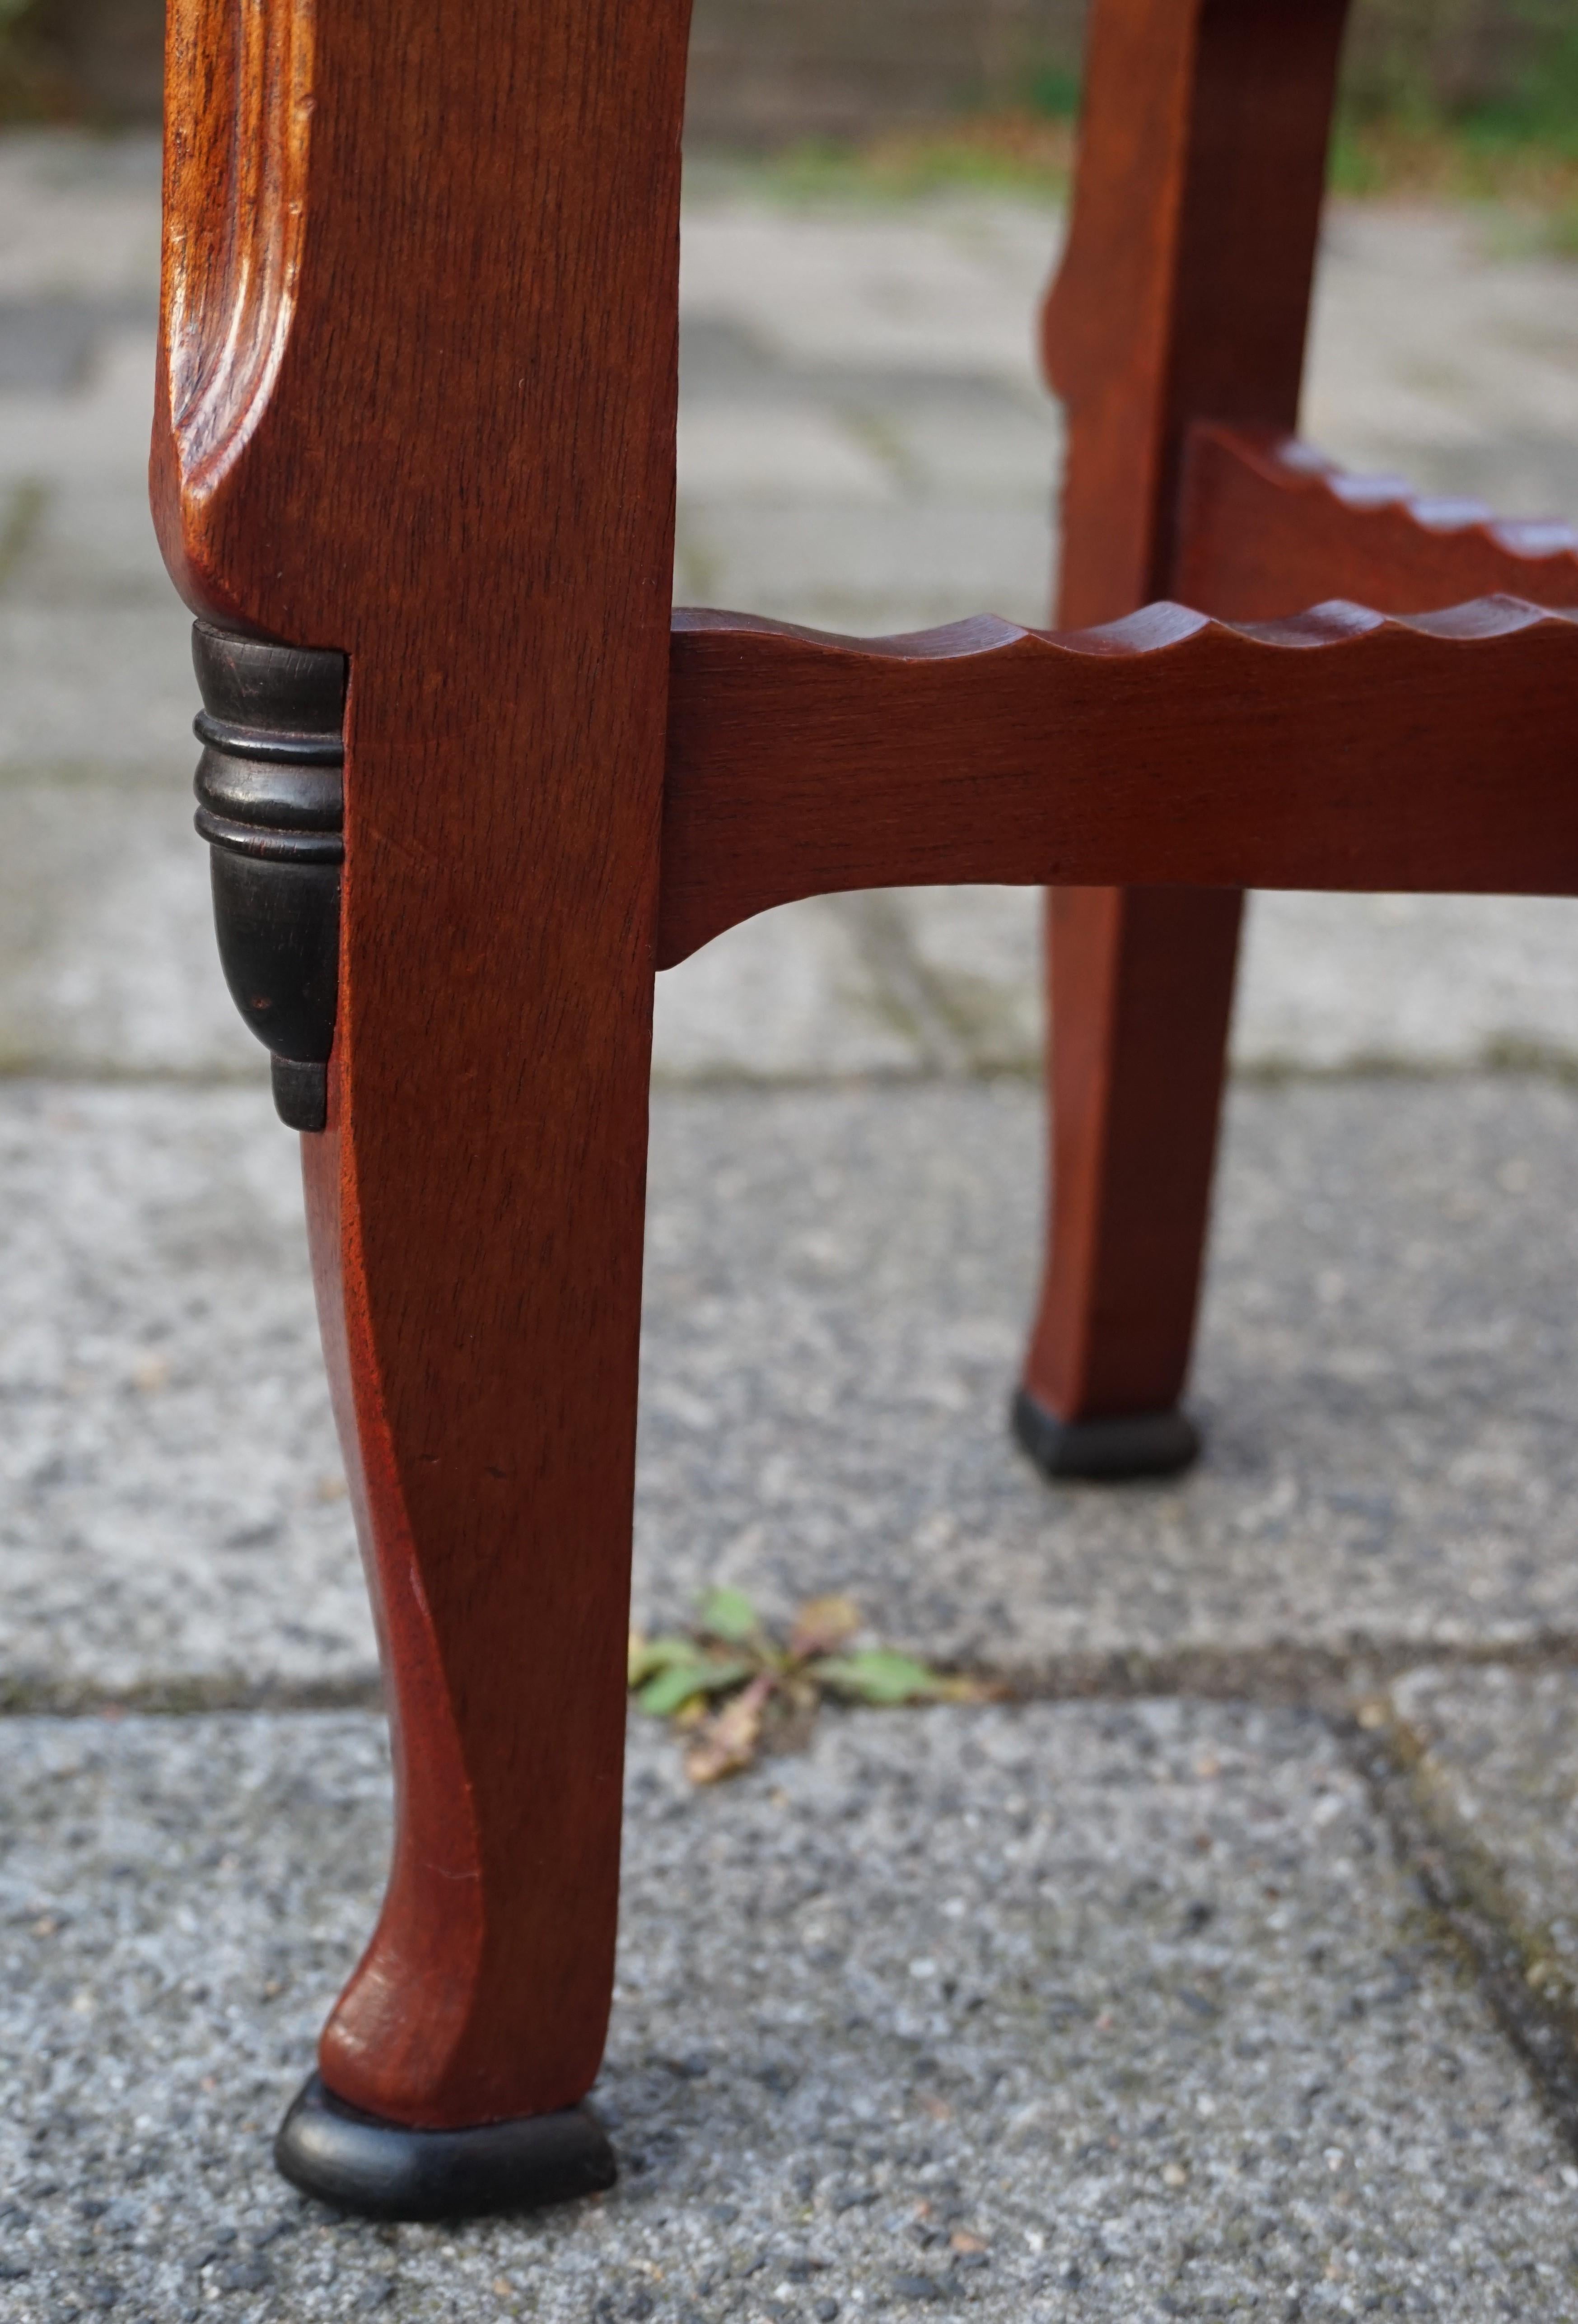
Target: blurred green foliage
x: 31, y: 86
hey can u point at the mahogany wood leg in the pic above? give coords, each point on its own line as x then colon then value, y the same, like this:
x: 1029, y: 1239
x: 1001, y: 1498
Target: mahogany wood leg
x: 1184, y: 294
x: 452, y: 2066
x: 417, y: 411
x: 476, y: 1207
x: 1143, y: 984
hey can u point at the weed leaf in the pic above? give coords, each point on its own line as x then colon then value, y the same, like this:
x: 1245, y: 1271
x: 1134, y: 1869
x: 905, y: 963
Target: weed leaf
x: 728, y: 1741
x: 671, y: 1689
x: 877, y: 1675
x: 728, y: 1614
x: 649, y: 1654
x: 822, y: 1626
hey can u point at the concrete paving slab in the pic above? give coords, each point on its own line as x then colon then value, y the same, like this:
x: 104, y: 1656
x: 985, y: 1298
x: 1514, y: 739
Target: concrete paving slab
x: 107, y: 961
x: 781, y: 454
x: 47, y: 345
x: 837, y: 1290
x: 168, y: 1478
x: 92, y: 546
x: 1439, y: 983
x: 1063, y: 2012
x: 100, y: 431
x: 1491, y: 1753
x: 948, y: 286
x: 799, y: 994
x: 79, y: 215
x: 1326, y: 984
x: 109, y: 695
x: 1441, y: 349
x: 839, y: 565
x: 865, y: 447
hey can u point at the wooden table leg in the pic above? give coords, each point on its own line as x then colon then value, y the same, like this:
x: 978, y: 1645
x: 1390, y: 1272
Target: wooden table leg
x: 416, y: 415
x: 1184, y: 294
x: 1141, y: 988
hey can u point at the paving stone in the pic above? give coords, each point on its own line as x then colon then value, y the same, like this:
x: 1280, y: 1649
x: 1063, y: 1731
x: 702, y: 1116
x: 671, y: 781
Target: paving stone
x: 1327, y: 985
x: 864, y: 445
x: 838, y: 1286
x: 836, y: 1291
x: 107, y: 961
x: 79, y: 215
x: 87, y: 547
x: 1127, y: 2004
x: 778, y: 454
x: 171, y: 1493
x: 1333, y: 983
x: 108, y: 696
x: 947, y: 286
x: 834, y: 565
x: 50, y: 343
x: 1443, y: 349
x: 98, y: 433
x: 803, y: 993
x: 1493, y: 1756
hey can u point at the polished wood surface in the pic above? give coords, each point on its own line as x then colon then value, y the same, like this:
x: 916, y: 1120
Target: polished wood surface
x: 1269, y: 526
x: 1340, y: 749
x: 1183, y: 293
x: 417, y: 405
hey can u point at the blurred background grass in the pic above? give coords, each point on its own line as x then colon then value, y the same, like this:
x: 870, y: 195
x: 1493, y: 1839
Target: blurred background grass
x: 1472, y: 101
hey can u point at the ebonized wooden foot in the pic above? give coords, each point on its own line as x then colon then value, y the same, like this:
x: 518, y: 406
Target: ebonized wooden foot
x: 1106, y: 1451
x: 386, y: 2170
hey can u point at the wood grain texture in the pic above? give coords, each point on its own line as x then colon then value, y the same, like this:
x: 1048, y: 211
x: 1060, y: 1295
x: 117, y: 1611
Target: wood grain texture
x: 1183, y: 293
x: 1269, y: 526
x: 1340, y: 749
x: 417, y: 405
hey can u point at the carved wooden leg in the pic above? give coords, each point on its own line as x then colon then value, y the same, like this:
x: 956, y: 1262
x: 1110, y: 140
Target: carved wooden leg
x: 417, y: 414
x: 453, y: 2063
x: 475, y: 1208
x: 486, y: 1409
x: 1141, y: 984
x: 1184, y: 294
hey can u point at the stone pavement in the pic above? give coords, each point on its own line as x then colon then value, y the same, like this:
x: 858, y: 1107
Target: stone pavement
x: 864, y: 445
x: 1117, y: 2012
x: 836, y: 1292
x: 1241, y: 1978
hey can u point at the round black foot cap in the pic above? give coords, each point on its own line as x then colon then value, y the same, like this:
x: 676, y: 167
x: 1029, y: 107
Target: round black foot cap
x: 385, y: 2171
x: 1106, y: 1451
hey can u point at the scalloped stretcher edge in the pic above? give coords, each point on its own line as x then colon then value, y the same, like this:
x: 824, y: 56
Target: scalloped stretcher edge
x: 1340, y: 748
x: 1268, y: 524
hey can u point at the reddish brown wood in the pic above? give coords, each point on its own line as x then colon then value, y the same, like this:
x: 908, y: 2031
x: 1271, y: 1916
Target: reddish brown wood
x: 1340, y: 749
x: 1269, y: 526
x: 1184, y: 292
x: 417, y: 404
x: 1185, y: 289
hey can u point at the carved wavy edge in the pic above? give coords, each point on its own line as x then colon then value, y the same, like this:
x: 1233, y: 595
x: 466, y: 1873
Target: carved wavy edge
x: 802, y: 762
x: 1292, y: 465
x: 1161, y: 628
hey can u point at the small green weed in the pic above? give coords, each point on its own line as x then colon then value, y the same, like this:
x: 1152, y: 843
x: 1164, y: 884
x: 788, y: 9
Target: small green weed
x: 735, y: 1691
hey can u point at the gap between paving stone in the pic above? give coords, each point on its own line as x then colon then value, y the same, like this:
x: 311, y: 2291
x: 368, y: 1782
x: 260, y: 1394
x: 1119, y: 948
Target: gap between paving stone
x: 1328, y: 1452
x: 836, y: 1283
x: 1476, y: 1768
x: 837, y: 1288
x: 1093, y: 2011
